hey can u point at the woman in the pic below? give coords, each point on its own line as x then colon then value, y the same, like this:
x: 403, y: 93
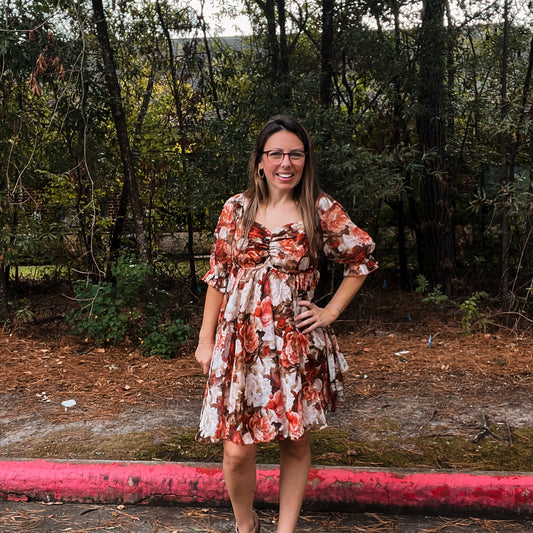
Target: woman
x: 274, y: 365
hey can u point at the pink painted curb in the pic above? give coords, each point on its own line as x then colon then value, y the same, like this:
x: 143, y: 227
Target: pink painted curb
x: 328, y: 487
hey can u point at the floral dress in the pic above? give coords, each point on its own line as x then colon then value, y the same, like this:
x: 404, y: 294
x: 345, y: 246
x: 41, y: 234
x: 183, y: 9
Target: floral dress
x: 268, y: 380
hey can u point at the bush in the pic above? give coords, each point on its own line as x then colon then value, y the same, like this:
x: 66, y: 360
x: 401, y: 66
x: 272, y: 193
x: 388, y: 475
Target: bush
x: 110, y: 312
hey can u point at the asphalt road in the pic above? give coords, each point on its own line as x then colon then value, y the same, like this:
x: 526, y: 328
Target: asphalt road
x: 76, y: 518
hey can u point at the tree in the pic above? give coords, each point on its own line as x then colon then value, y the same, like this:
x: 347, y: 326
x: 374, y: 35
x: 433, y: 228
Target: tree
x: 436, y: 190
x: 525, y: 265
x: 327, y: 55
x: 119, y: 117
x: 279, y: 50
x: 506, y: 169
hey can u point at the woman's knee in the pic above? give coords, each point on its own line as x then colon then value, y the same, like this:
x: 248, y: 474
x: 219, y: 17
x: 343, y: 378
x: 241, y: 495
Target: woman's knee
x: 296, y: 448
x: 237, y: 456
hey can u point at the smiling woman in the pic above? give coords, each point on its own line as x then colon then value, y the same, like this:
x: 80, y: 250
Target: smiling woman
x: 274, y: 364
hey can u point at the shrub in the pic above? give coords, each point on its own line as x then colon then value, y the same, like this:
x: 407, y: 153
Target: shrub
x: 110, y: 312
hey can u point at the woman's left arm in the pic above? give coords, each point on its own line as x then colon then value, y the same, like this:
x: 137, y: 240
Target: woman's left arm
x: 315, y: 317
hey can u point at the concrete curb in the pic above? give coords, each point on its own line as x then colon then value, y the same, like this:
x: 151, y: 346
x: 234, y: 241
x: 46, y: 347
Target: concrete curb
x: 331, y: 488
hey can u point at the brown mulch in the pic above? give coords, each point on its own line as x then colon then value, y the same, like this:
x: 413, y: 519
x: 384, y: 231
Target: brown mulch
x: 103, y: 380
x: 386, y: 352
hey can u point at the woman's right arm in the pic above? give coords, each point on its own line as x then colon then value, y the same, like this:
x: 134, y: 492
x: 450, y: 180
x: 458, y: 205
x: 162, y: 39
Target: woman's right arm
x: 206, y: 340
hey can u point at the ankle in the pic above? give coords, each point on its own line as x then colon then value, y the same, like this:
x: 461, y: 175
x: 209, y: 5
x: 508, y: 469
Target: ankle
x: 251, y: 527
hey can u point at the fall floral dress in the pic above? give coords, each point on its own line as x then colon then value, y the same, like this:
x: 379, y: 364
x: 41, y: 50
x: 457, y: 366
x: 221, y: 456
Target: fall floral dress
x: 267, y: 380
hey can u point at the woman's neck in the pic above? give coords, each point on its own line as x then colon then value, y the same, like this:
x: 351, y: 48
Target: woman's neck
x: 278, y: 211
x: 279, y: 200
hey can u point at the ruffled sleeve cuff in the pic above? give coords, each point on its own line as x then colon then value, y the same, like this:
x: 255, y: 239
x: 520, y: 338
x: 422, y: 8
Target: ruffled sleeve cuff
x: 343, y: 241
x: 217, y: 278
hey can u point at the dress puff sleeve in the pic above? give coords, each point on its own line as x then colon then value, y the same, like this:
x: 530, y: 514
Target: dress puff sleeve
x: 344, y: 242
x: 220, y: 260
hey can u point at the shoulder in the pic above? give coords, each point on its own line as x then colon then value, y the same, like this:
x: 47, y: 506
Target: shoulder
x: 235, y: 201
x: 325, y: 203
x: 234, y: 205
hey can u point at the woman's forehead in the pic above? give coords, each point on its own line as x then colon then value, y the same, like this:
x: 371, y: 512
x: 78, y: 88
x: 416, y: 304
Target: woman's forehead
x: 284, y: 139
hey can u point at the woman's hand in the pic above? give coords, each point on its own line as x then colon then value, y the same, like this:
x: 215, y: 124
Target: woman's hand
x: 204, y: 354
x: 315, y: 317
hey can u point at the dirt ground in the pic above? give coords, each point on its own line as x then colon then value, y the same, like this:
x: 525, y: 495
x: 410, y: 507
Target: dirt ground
x: 413, y: 373
x: 76, y: 518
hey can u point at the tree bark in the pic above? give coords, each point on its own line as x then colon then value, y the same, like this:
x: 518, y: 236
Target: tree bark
x: 212, y: 81
x: 119, y: 118
x: 505, y: 175
x: 118, y: 226
x: 278, y: 48
x: 523, y: 139
x: 398, y: 132
x: 436, y: 231
x: 326, y: 53
x: 527, y: 266
x: 4, y: 305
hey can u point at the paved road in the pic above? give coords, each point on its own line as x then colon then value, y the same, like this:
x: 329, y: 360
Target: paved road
x: 75, y: 518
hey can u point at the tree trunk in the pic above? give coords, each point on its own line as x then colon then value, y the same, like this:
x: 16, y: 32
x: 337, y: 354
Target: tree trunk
x: 277, y: 47
x: 117, y: 111
x: 118, y: 226
x: 283, y: 68
x: 212, y: 81
x: 527, y: 266
x: 505, y: 176
x: 523, y: 139
x: 398, y: 133
x: 326, y: 54
x: 4, y: 305
x: 177, y: 104
x: 528, y: 244
x: 436, y: 231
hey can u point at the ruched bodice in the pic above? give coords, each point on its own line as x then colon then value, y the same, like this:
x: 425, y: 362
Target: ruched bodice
x: 284, y: 248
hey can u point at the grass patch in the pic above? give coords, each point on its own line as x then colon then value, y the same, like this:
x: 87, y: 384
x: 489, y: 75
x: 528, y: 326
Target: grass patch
x: 330, y: 447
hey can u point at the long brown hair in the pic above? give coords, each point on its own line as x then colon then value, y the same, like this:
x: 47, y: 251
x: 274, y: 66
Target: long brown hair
x: 305, y: 193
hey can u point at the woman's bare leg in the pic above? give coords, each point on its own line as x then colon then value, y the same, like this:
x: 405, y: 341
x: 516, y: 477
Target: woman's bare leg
x: 240, y: 476
x: 295, y: 463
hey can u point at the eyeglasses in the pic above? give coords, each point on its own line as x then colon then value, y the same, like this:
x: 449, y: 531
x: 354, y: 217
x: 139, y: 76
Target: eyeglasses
x: 297, y: 157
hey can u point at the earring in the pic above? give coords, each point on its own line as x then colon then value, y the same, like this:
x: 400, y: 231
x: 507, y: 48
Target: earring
x: 261, y: 173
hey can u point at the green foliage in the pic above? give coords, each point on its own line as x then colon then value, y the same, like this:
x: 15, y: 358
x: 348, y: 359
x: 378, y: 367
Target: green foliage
x: 103, y: 317
x: 192, y: 123
x: 163, y: 338
x: 434, y: 295
x: 110, y: 312
x: 471, y: 314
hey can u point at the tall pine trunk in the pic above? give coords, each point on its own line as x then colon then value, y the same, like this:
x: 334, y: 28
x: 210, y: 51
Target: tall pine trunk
x: 326, y: 54
x: 437, y: 249
x: 524, y: 140
x: 278, y: 48
x: 179, y: 111
x: 505, y: 174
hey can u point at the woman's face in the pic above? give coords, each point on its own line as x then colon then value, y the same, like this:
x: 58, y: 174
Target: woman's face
x: 285, y: 174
